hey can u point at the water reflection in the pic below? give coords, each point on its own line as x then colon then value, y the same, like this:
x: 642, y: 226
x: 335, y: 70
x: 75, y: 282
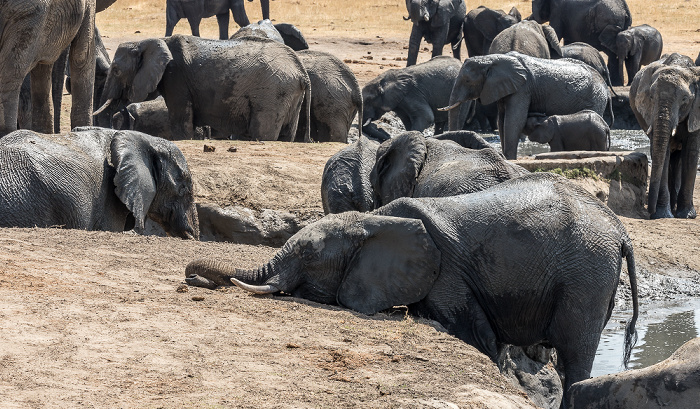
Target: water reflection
x: 662, y: 339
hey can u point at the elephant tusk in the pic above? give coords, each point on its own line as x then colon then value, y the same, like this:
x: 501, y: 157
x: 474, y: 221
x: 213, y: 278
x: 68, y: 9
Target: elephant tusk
x: 648, y: 132
x: 369, y: 120
x: 102, y: 108
x: 255, y: 289
x: 406, y: 18
x: 451, y: 107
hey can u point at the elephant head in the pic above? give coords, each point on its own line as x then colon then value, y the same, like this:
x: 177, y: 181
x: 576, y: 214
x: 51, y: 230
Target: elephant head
x: 385, y: 93
x: 399, y: 162
x: 360, y: 261
x: 488, y: 78
x: 152, y: 179
x: 541, y: 10
x: 135, y: 72
x: 421, y: 10
x: 539, y: 129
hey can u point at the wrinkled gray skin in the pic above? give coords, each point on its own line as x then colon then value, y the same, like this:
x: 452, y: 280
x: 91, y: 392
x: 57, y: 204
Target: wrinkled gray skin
x: 345, y: 184
x: 150, y: 117
x: 522, y: 85
x: 458, y: 259
x: 665, y: 98
x: 95, y: 179
x: 582, y: 131
x: 410, y: 165
x: 251, y: 88
x: 624, y: 116
x: 672, y: 383
x: 589, y: 55
x: 529, y: 38
x: 635, y: 47
x: 482, y: 25
x: 292, y: 36
x: 262, y: 29
x: 439, y: 22
x: 593, y: 22
x: 195, y: 10
x: 34, y: 33
x: 414, y: 93
x: 336, y: 97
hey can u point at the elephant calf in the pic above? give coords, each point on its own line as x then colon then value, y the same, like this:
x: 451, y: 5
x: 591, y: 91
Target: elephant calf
x: 582, y: 131
x: 151, y: 117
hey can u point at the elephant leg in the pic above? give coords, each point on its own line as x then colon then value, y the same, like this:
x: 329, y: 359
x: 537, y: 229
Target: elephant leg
x: 82, y: 68
x: 421, y: 116
x: 632, y: 65
x: 171, y: 19
x: 613, y: 68
x: 180, y: 116
x: 9, y: 105
x: 261, y: 128
x: 265, y: 6
x: 663, y: 202
x: 194, y: 25
x: 514, y: 118
x: 239, y: 14
x: 457, y: 48
x: 439, y: 39
x: 42, y: 118
x: 413, y: 45
x: 222, y: 20
x: 674, y: 178
x: 689, y: 165
x: 57, y: 79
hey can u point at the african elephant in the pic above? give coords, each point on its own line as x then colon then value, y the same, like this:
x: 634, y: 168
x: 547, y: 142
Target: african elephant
x: 345, y: 184
x: 529, y: 38
x: 665, y: 98
x: 95, y: 179
x: 195, y: 10
x: 411, y: 165
x: 414, y: 93
x: 253, y: 88
x: 493, y: 267
x: 336, y: 96
x: 293, y: 38
x: 587, y: 21
x: 585, y: 53
x: 439, y: 22
x: 34, y: 35
x: 672, y: 383
x: 151, y: 117
x: 482, y: 25
x: 522, y: 85
x: 582, y: 131
x: 635, y: 47
x: 284, y: 33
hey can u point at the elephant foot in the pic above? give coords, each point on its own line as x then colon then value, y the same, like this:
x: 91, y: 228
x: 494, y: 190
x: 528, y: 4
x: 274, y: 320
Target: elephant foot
x: 686, y: 213
x: 662, y: 213
x: 199, y: 281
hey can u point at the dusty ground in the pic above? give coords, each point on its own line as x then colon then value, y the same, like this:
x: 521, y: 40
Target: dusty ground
x: 92, y: 319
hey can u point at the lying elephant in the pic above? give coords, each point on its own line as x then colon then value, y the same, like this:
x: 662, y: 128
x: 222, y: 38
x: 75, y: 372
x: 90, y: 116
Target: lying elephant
x: 95, y: 179
x: 535, y: 259
x: 151, y: 117
x: 673, y: 383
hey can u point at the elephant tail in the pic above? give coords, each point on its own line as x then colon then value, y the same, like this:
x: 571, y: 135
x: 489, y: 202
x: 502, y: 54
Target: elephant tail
x: 304, y: 124
x: 630, y: 331
x: 612, y: 114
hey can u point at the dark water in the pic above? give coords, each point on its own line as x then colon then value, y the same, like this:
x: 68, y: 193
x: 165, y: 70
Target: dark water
x: 662, y: 328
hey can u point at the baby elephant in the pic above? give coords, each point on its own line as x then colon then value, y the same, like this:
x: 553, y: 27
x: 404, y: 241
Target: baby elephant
x: 582, y: 131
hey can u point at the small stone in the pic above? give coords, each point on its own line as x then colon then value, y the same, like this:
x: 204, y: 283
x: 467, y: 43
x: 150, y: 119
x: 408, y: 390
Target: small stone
x: 197, y: 298
x: 183, y: 288
x: 292, y: 346
x: 209, y: 148
x: 233, y: 149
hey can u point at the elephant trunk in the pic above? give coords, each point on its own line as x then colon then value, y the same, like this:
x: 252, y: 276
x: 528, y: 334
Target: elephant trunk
x: 621, y: 68
x: 457, y: 117
x: 660, y: 134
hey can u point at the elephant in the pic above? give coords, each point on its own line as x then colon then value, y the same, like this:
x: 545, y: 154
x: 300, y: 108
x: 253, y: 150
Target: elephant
x: 263, y: 28
x: 34, y: 35
x: 292, y: 37
x: 345, y: 184
x: 195, y: 10
x: 697, y: 60
x: 151, y: 117
x: 521, y: 84
x: 439, y: 22
x: 529, y: 38
x: 635, y: 47
x: 582, y: 131
x: 95, y: 179
x: 252, y: 87
x: 589, y: 55
x: 671, y: 383
x: 665, y: 99
x: 492, y: 267
x: 414, y: 93
x: 410, y: 165
x: 483, y: 24
x: 592, y: 22
x: 336, y: 96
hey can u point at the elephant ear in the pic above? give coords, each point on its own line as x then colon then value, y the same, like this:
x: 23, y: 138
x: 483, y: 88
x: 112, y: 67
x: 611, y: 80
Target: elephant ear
x: 694, y: 116
x: 155, y: 56
x: 396, y: 264
x: 134, y: 181
x: 504, y: 76
x: 552, y: 40
x: 608, y: 37
x: 399, y: 162
x: 394, y: 90
x: 515, y: 13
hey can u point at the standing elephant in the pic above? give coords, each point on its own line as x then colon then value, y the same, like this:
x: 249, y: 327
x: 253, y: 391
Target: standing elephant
x: 582, y: 131
x: 587, y: 21
x: 253, y: 88
x: 439, y: 22
x: 635, y: 47
x: 522, y: 85
x: 95, y: 179
x: 411, y: 165
x: 195, y: 10
x: 483, y: 24
x: 34, y: 33
x: 665, y: 98
x: 345, y: 184
x: 414, y: 93
x: 527, y: 37
x: 589, y: 55
x: 336, y: 96
x: 493, y: 267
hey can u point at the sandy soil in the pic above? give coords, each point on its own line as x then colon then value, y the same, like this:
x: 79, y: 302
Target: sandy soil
x: 93, y: 319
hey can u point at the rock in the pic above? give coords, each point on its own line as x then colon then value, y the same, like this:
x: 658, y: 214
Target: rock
x: 209, y: 148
